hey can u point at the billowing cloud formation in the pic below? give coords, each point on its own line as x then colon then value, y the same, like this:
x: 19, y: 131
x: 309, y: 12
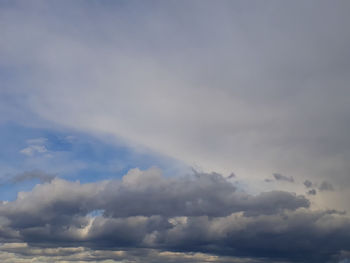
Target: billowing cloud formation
x: 200, y: 213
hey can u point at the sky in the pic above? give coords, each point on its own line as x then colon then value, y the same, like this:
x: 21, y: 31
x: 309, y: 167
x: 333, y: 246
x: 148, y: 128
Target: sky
x: 174, y: 131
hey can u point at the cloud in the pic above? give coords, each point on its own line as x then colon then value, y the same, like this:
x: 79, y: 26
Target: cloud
x: 244, y: 86
x: 30, y: 175
x: 33, y: 149
x: 308, y: 183
x: 312, y: 192
x: 255, y: 88
x: 35, y: 146
x: 280, y: 177
x: 232, y: 175
x: 199, y: 213
x: 326, y: 186
x: 148, y: 193
x: 16, y: 252
x: 38, y: 175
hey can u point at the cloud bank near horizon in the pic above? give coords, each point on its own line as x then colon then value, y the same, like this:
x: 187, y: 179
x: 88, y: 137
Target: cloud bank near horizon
x: 192, y: 215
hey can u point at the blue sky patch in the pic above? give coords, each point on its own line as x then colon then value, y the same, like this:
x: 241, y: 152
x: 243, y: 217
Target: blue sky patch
x: 66, y: 154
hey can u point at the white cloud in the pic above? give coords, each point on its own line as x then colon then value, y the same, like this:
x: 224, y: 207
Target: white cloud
x: 33, y: 149
x: 35, y: 146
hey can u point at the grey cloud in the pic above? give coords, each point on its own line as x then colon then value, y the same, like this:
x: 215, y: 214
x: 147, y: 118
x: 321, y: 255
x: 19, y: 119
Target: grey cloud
x: 146, y: 193
x: 280, y: 177
x: 38, y: 175
x: 202, y: 194
x: 308, y: 183
x: 312, y: 192
x: 202, y: 213
x: 326, y: 186
x: 31, y: 175
x: 232, y: 175
x: 296, y: 236
x: 263, y: 84
x: 22, y: 251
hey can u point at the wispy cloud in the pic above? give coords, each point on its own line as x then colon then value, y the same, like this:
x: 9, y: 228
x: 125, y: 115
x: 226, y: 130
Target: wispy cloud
x: 35, y: 146
x: 41, y: 176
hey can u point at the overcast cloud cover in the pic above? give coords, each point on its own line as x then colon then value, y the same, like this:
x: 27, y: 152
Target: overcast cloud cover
x: 242, y: 105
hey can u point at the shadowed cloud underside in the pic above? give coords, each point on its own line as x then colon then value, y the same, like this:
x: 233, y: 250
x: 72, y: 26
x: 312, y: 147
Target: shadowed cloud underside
x: 201, y: 213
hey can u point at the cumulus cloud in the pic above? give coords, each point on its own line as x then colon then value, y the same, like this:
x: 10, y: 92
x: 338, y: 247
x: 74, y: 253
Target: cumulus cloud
x: 199, y: 213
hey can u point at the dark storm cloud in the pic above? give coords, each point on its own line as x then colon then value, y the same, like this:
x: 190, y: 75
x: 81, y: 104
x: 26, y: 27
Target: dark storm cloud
x: 200, y: 213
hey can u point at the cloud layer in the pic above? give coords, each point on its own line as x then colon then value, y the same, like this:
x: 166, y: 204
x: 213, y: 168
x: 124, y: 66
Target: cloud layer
x: 199, y: 213
x: 240, y: 86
